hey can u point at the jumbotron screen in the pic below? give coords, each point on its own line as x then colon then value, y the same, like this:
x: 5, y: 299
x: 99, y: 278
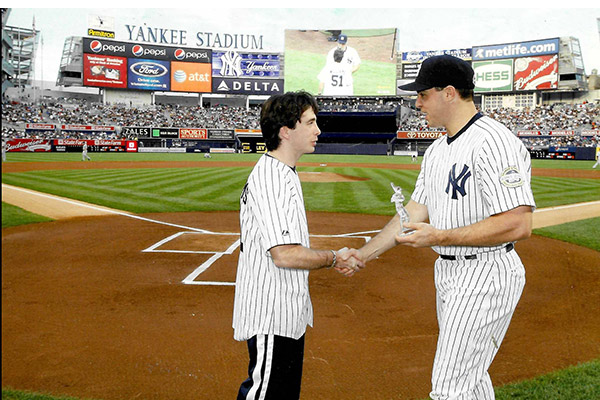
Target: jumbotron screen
x: 360, y: 62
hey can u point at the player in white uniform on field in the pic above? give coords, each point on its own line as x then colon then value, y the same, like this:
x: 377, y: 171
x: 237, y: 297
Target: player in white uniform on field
x: 335, y: 79
x: 472, y: 201
x: 84, y: 153
x: 341, y: 62
x: 272, y: 305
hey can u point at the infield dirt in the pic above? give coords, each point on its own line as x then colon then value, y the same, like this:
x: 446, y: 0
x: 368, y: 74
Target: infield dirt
x: 87, y: 313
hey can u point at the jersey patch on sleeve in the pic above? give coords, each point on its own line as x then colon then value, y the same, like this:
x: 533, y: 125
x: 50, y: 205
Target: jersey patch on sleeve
x: 512, y: 177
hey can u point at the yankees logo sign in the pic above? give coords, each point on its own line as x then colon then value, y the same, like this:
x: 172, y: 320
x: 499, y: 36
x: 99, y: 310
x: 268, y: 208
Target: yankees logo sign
x: 458, y: 182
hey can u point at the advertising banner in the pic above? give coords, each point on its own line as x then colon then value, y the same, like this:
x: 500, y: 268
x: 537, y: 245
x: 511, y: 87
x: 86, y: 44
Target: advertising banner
x: 97, y: 145
x: 420, y: 56
x: 590, y: 132
x: 420, y: 134
x: 137, y: 131
x: 104, y: 47
x: 493, y: 76
x: 104, y: 71
x: 247, y: 86
x: 516, y: 50
x: 190, y: 77
x: 145, y: 51
x: 562, y: 133
x: 95, y: 128
x: 529, y: 133
x: 223, y: 134
x: 40, y: 127
x: 28, y: 145
x: 236, y: 64
x: 410, y: 71
x: 192, y: 133
x: 536, y: 73
x: 171, y: 133
x: 189, y: 55
x: 148, y: 74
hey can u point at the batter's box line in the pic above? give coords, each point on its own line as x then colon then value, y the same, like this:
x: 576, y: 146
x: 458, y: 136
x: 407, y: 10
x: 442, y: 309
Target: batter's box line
x: 216, y: 255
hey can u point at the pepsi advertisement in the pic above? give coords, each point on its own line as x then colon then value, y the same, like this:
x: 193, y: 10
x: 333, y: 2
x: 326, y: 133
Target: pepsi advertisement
x: 144, y: 67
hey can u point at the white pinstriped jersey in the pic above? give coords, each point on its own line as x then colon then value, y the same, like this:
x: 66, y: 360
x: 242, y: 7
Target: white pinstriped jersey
x: 269, y: 299
x: 481, y: 171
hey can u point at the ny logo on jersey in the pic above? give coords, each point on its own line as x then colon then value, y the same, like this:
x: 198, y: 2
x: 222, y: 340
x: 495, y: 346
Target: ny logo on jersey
x: 458, y: 182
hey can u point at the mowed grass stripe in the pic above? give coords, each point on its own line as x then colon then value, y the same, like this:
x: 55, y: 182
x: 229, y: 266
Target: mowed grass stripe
x: 123, y: 198
x: 162, y: 191
x: 549, y: 192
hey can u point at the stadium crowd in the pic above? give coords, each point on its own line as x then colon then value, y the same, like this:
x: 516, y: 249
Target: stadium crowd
x: 80, y: 112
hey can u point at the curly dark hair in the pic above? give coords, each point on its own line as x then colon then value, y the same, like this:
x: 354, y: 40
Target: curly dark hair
x: 283, y: 110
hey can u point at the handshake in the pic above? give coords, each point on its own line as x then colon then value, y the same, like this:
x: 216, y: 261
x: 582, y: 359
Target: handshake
x: 348, y: 261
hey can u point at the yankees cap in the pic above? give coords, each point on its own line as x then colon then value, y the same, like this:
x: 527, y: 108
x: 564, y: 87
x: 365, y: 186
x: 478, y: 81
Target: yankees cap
x: 342, y: 39
x: 442, y: 71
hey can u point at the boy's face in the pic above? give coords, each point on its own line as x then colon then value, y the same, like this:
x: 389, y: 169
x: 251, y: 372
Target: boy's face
x: 305, y: 134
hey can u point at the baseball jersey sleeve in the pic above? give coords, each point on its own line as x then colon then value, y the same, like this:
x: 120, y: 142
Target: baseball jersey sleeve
x: 503, y: 169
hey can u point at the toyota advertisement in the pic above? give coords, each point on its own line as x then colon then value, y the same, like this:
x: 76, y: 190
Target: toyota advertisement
x: 135, y: 66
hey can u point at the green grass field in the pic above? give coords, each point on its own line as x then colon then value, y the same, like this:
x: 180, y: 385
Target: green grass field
x: 143, y: 190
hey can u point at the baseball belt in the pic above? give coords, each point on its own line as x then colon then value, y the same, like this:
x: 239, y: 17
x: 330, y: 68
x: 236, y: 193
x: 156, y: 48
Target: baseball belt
x: 508, y: 248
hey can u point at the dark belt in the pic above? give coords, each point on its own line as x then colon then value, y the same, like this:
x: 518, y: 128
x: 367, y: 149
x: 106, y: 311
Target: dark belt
x: 508, y: 248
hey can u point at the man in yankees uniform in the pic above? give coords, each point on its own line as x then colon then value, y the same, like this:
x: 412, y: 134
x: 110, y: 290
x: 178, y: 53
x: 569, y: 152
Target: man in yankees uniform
x: 472, y: 201
x: 272, y: 306
x: 335, y: 79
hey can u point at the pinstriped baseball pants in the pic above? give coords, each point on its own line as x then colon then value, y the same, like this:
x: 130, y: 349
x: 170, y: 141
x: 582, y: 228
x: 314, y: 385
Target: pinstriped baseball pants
x: 475, y: 303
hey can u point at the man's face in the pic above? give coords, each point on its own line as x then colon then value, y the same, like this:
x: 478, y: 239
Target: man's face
x: 431, y: 103
x: 305, y: 134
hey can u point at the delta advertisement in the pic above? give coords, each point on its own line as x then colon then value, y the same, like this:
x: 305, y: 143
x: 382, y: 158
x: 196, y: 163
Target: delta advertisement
x: 134, y: 66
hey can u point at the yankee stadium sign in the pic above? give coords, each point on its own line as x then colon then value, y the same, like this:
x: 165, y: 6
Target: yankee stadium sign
x: 181, y: 37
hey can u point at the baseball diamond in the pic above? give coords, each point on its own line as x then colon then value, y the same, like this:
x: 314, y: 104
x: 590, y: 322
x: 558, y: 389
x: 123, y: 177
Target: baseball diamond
x: 139, y: 306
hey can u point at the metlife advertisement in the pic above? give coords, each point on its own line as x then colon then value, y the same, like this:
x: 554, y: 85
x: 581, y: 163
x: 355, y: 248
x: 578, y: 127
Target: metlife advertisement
x: 516, y: 50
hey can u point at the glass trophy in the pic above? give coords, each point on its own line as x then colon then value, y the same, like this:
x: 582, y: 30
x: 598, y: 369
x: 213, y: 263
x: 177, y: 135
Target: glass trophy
x: 398, y: 199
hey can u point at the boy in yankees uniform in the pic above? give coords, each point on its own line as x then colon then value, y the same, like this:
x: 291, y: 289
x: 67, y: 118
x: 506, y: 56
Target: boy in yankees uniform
x: 272, y: 305
x: 472, y: 201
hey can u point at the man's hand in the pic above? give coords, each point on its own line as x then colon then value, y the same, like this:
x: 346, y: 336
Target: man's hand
x: 348, y: 261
